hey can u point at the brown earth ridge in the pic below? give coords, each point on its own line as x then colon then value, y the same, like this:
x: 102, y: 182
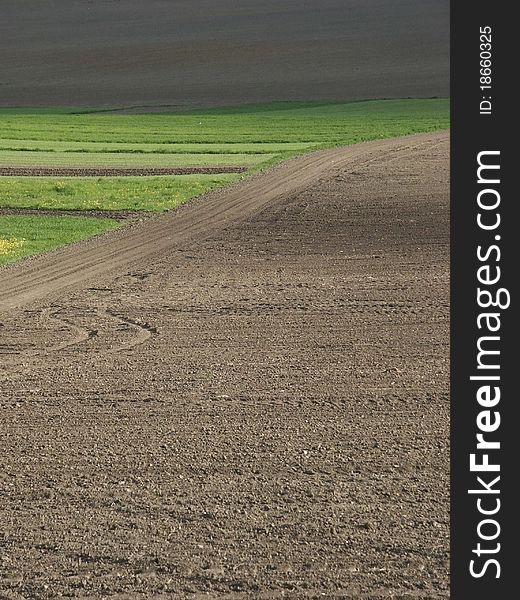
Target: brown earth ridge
x: 117, y: 171
x: 246, y: 397
x: 118, y: 215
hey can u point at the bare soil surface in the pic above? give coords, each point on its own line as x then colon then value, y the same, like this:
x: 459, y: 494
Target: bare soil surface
x: 244, y: 398
x: 118, y: 215
x: 116, y: 171
x: 179, y: 53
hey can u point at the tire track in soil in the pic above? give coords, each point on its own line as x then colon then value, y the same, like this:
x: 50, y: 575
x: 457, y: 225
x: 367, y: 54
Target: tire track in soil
x: 106, y: 336
x: 82, y: 334
x: 144, y: 331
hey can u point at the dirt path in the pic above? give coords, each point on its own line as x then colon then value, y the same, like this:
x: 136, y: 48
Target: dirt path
x: 118, y: 171
x: 244, y: 398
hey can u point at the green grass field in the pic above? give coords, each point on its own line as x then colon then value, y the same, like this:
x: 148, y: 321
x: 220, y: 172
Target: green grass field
x: 319, y: 123
x: 125, y: 159
x: 107, y: 193
x: 257, y: 135
x: 25, y: 235
x: 8, y: 144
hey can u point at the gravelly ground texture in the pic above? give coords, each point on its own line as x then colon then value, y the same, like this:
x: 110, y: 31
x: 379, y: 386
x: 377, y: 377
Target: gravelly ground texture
x: 183, y: 53
x: 244, y: 398
x: 115, y: 171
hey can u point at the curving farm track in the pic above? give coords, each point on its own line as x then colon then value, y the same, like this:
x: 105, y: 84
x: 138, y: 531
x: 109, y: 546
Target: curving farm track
x: 246, y: 397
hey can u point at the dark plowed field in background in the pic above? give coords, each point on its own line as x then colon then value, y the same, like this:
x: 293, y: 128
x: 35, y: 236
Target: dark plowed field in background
x: 183, y: 53
x: 244, y: 398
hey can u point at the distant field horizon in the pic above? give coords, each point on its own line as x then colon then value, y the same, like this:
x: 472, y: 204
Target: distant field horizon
x: 219, y: 107
x: 218, y: 52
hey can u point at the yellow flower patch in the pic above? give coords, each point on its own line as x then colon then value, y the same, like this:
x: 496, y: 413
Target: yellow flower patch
x: 9, y: 246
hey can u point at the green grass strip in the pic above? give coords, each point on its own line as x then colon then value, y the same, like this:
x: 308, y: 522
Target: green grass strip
x: 25, y: 235
x: 107, y: 193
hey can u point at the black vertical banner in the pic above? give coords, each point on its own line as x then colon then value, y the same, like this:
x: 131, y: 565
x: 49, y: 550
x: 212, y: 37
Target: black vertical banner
x: 484, y: 269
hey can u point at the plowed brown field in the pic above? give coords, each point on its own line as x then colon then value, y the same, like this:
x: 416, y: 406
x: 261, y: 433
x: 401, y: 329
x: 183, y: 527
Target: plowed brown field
x: 246, y: 397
